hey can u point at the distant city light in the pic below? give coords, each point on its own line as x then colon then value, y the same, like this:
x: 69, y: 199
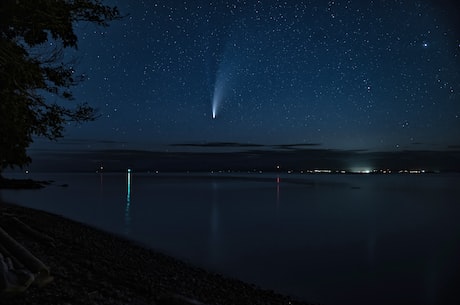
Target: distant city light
x: 362, y: 170
x: 322, y: 171
x: 412, y: 171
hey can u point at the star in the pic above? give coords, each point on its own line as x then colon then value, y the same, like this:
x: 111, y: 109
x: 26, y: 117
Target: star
x: 202, y: 73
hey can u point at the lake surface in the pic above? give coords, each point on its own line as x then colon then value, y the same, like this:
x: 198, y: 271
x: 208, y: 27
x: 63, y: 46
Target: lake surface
x: 332, y: 239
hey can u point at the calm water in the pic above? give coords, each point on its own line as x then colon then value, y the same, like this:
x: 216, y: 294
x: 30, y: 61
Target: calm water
x: 358, y: 239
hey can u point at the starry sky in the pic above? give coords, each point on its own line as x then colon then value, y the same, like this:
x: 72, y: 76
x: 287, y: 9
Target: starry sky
x: 373, y: 75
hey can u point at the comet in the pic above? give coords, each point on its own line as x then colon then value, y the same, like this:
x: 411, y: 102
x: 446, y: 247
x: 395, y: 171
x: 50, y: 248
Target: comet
x: 225, y: 80
x: 217, y: 98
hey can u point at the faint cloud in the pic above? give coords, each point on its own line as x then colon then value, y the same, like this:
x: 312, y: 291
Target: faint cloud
x: 296, y: 145
x: 217, y: 144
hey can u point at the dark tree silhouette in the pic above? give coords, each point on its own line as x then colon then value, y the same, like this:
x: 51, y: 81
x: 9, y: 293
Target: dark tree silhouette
x: 30, y: 67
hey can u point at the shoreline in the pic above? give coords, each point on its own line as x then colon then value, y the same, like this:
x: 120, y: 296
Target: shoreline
x: 91, y: 266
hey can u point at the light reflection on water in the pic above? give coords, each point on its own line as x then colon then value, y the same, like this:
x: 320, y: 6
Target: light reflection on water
x: 329, y: 239
x: 128, y: 203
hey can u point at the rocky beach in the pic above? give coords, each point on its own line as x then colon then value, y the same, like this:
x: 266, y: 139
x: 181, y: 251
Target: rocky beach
x: 89, y: 266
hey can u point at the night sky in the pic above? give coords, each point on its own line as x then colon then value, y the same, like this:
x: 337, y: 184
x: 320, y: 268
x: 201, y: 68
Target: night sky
x: 373, y: 75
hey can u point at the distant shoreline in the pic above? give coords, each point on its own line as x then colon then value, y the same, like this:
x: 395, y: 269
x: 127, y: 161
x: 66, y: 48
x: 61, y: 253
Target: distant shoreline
x: 96, y: 267
x: 7, y: 183
x: 243, y: 159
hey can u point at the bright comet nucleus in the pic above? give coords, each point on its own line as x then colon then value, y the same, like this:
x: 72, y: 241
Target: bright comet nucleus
x: 214, y: 107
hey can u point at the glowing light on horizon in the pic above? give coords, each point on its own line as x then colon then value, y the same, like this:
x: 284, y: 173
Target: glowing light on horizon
x: 362, y: 170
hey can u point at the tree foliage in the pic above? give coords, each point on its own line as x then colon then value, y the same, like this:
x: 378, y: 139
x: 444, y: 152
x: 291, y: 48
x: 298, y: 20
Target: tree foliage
x: 32, y: 68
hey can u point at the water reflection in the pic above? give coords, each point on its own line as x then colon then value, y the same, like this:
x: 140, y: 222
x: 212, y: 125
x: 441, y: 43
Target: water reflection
x: 391, y: 240
x: 128, y: 203
x: 101, y: 183
x: 278, y: 181
x: 215, y: 211
x: 214, y: 238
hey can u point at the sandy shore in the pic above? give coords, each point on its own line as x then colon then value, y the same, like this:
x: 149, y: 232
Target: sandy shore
x: 94, y: 267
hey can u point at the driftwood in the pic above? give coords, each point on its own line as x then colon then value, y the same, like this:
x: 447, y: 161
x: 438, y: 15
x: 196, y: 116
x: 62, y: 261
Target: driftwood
x: 30, y: 231
x: 22, y: 254
x: 19, y: 267
x: 11, y: 279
